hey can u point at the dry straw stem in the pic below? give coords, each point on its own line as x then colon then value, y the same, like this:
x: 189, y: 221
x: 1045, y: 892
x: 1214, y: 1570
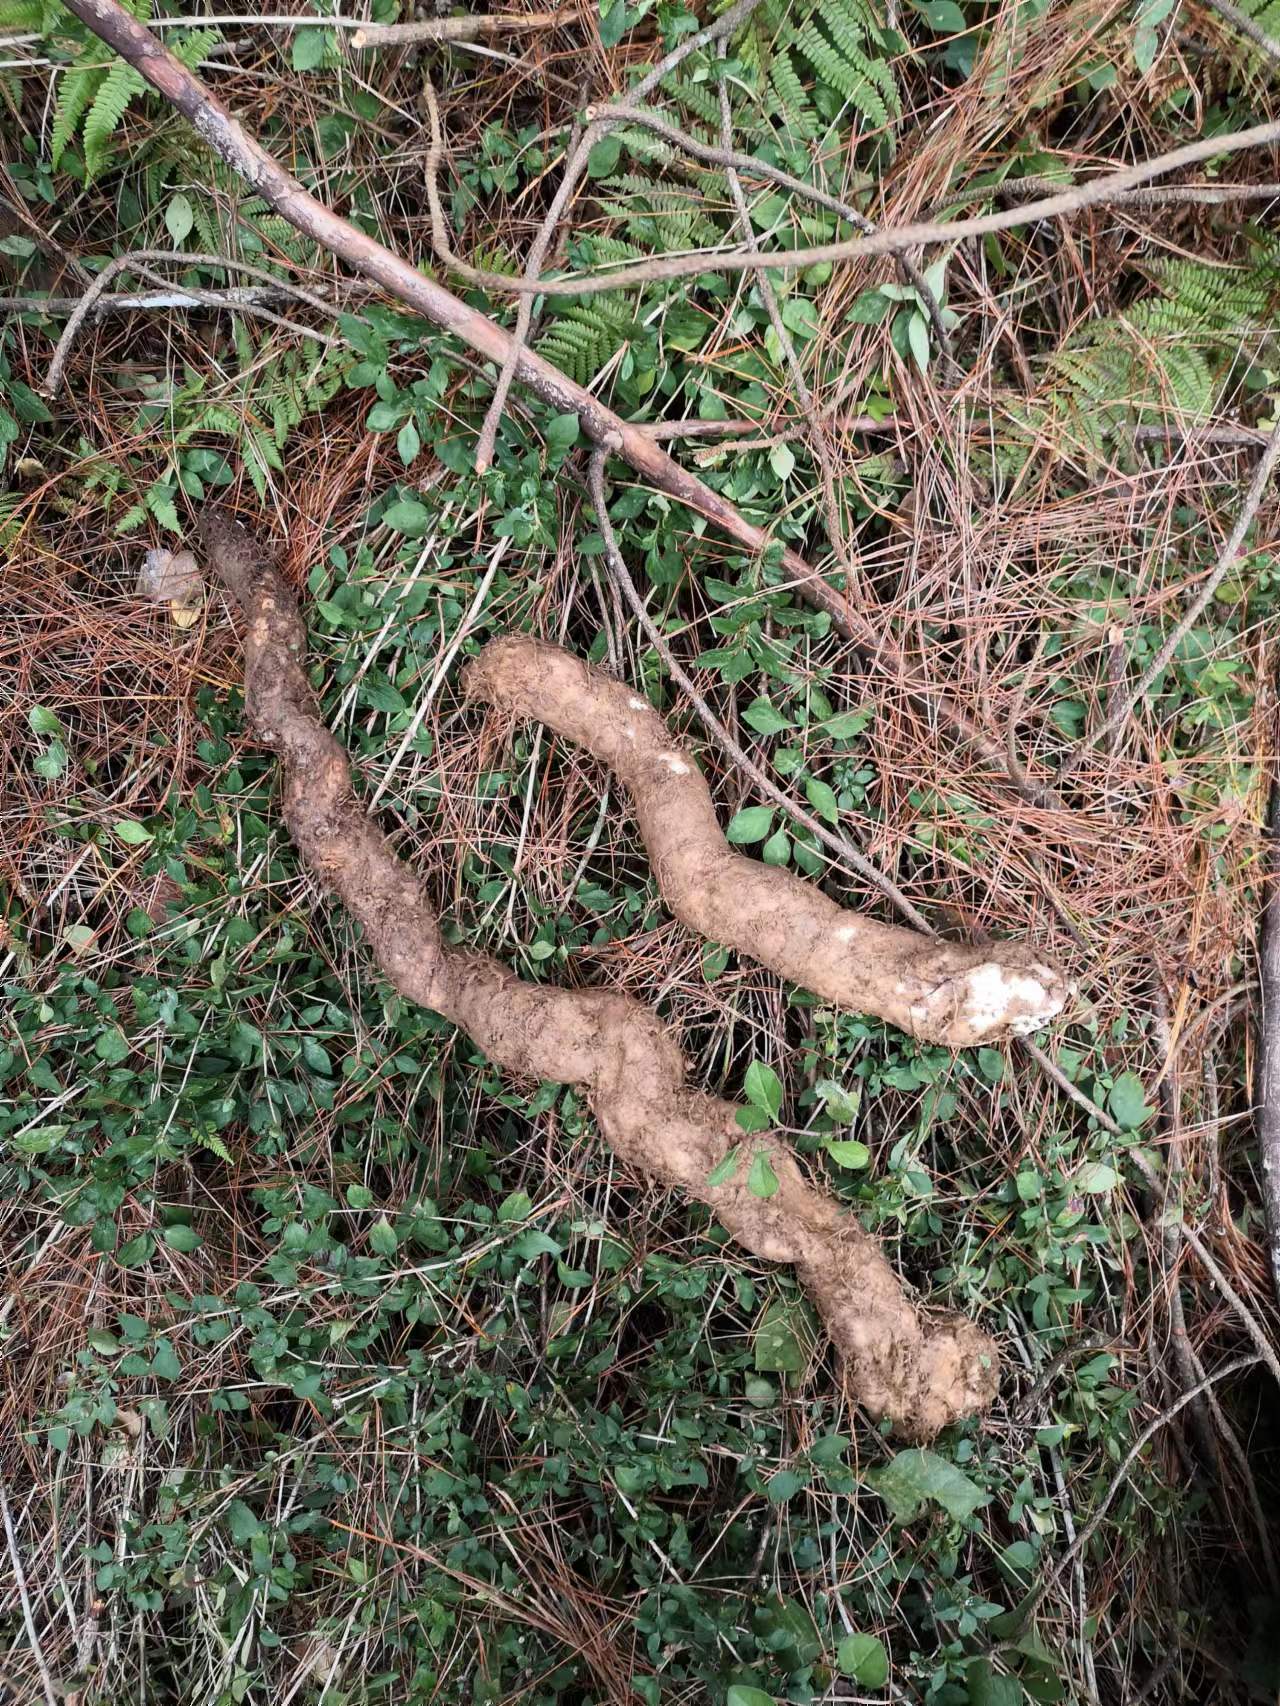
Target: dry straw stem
x: 1119, y: 714
x: 1268, y: 1113
x: 365, y: 255
x: 922, y: 1373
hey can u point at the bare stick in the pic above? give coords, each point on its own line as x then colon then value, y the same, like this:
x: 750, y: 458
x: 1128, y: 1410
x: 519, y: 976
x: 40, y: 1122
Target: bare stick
x: 1226, y: 558
x: 139, y: 261
x: 127, y: 302
x: 1268, y: 1110
x: 371, y: 36
x: 286, y: 196
x: 892, y: 240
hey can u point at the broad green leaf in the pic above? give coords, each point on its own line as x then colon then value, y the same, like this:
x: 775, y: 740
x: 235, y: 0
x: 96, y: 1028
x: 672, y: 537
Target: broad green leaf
x: 914, y: 1478
x: 763, y: 1088
x: 309, y: 49
x: 847, y: 1152
x: 182, y: 1238
x: 724, y: 1169
x: 821, y: 798
x: 987, y: 1688
x: 1127, y: 1102
x: 740, y: 1694
x: 518, y: 1206
x: 179, y: 217
x: 782, y: 461
x: 752, y: 823
x: 863, y: 1657
x: 840, y: 1103
x: 132, y: 834
x: 764, y: 717
x: 782, y: 1339
x: 408, y: 516
x: 784, y: 1485
x: 1094, y: 1178
x: 562, y: 433
x: 42, y: 721
x: 382, y: 1237
x: 762, y: 1181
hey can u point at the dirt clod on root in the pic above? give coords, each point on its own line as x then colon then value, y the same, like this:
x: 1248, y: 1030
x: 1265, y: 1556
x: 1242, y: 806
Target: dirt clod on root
x: 919, y: 1370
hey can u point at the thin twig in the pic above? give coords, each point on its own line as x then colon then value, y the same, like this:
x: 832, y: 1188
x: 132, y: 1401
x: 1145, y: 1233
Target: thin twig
x: 891, y: 240
x: 28, y: 1617
x: 139, y: 261
x: 1225, y: 560
x: 837, y: 844
x: 1267, y: 1115
x: 126, y: 302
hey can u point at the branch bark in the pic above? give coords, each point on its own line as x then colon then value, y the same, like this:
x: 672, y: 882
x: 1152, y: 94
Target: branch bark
x: 922, y: 1373
x: 373, y: 260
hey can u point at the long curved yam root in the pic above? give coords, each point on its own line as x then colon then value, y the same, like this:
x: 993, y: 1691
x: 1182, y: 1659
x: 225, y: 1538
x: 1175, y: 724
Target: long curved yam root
x: 942, y: 992
x: 922, y: 1373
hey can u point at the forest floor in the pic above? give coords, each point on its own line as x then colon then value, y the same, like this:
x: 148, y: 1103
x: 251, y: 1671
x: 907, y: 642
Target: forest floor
x: 340, y: 1367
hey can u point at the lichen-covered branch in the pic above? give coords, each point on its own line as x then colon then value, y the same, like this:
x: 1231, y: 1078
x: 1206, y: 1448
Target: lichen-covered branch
x: 943, y: 992
x: 921, y: 1372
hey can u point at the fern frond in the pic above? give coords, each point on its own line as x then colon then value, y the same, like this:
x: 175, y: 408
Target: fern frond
x: 78, y: 87
x: 117, y: 89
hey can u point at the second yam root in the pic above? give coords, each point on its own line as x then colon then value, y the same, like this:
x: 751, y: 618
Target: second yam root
x: 941, y: 992
x: 922, y: 1371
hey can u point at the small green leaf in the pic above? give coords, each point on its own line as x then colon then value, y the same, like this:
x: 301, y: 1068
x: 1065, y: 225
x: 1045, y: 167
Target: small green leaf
x: 408, y: 442
x: 309, y: 49
x: 1094, y: 1178
x: 752, y: 823
x: 562, y: 433
x: 518, y: 1206
x: 1127, y: 1103
x: 604, y: 156
x: 763, y: 1088
x: 777, y: 849
x: 823, y: 801
x: 42, y: 721
x: 359, y: 1196
x: 782, y: 461
x: 164, y: 1361
x: 724, y: 1169
x: 182, y: 1238
x: 179, y: 217
x: 408, y: 516
x: 840, y: 1103
x: 784, y: 1485
x: 740, y: 1694
x: 613, y: 22
x: 137, y: 1251
x: 846, y: 1152
x: 913, y: 1478
x: 943, y: 17
x: 132, y: 834
x: 986, y: 1687
x: 864, y: 1659
x: 918, y: 338
x: 762, y: 1181
x: 760, y: 1394
x: 382, y: 1237
x: 765, y: 718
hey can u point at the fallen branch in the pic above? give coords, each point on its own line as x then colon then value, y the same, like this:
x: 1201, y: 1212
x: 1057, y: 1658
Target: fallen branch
x: 286, y: 196
x: 919, y: 1372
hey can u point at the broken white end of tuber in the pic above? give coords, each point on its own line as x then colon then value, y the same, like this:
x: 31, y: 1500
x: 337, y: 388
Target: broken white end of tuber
x: 990, y: 1001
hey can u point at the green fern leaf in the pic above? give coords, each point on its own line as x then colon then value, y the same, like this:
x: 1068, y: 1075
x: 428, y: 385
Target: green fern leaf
x: 78, y: 87
x: 118, y: 88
